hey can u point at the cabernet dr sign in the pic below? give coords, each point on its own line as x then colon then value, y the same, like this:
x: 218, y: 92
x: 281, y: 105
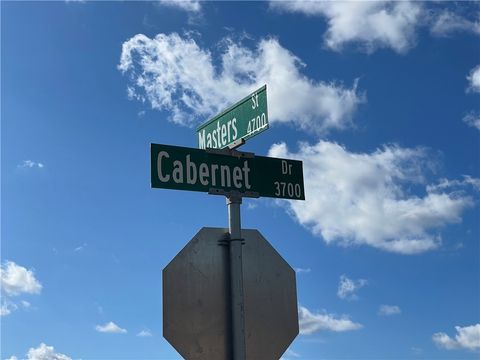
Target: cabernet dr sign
x: 181, y: 168
x: 243, y: 120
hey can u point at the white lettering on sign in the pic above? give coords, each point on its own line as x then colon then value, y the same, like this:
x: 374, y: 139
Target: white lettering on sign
x: 189, y: 172
x: 162, y: 154
x: 220, y: 137
x: 254, y: 101
x: 286, y: 168
x: 286, y: 188
x: 257, y: 123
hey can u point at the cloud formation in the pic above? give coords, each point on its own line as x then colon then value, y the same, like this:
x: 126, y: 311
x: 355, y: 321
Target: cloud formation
x: 302, y: 270
x: 28, y: 164
x: 446, y: 22
x: 175, y: 74
x: 7, y: 306
x: 467, y: 337
x: 372, y: 24
x: 16, y: 279
x: 310, y: 322
x: 45, y: 352
x: 347, y: 287
x: 144, y: 333
x: 110, y: 327
x: 387, y: 310
x: 474, y: 79
x: 192, y: 6
x: 364, y: 198
x: 472, y: 119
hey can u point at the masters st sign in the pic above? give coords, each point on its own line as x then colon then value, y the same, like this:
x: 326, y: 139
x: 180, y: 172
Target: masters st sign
x: 243, y: 120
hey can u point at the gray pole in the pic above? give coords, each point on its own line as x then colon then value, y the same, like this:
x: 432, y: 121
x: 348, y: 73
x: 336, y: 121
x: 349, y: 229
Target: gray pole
x: 236, y: 278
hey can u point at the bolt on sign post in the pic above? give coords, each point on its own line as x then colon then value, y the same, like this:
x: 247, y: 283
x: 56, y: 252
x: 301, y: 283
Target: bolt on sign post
x: 239, y: 122
x: 245, y: 289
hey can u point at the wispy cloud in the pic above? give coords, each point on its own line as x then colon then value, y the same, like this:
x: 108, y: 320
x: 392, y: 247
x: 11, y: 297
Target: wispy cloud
x: 387, y: 310
x: 6, y: 307
x: 313, y: 322
x: 364, y: 198
x: 175, y: 74
x: 472, y: 119
x: 110, y: 327
x: 347, y: 287
x: 80, y: 248
x: 251, y: 205
x: 193, y: 6
x: 467, y: 337
x: 29, y: 164
x: 447, y: 22
x: 144, y: 333
x: 302, y: 270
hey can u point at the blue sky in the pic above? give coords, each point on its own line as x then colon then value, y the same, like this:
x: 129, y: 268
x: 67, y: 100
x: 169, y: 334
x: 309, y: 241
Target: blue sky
x: 379, y: 100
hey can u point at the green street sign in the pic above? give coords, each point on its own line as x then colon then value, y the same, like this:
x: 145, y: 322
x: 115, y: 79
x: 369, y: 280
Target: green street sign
x: 181, y: 168
x: 243, y: 120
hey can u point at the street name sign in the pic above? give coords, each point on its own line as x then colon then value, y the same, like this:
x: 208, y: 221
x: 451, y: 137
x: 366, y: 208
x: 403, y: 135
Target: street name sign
x: 182, y: 168
x: 243, y: 120
x: 196, y: 316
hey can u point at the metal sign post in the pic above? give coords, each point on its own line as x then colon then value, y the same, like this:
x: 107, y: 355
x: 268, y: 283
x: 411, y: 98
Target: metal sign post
x: 236, y: 278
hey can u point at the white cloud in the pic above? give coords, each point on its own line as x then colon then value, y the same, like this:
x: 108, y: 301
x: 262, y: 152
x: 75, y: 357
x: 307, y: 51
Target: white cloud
x: 251, y: 205
x: 467, y: 337
x: 474, y: 79
x: 472, y: 119
x: 193, y: 6
x: 44, y: 352
x: 13, y: 357
x: 455, y: 185
x: 144, y: 333
x: 28, y: 164
x: 347, y: 287
x: 387, y: 310
x: 447, y: 22
x: 80, y: 248
x: 15, y: 280
x: 302, y: 270
x: 365, y: 199
x: 311, y: 323
x: 174, y: 74
x: 372, y: 24
x: 7, y: 307
x: 110, y: 327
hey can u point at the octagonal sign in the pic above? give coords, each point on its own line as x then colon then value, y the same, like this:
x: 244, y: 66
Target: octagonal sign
x: 196, y: 304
